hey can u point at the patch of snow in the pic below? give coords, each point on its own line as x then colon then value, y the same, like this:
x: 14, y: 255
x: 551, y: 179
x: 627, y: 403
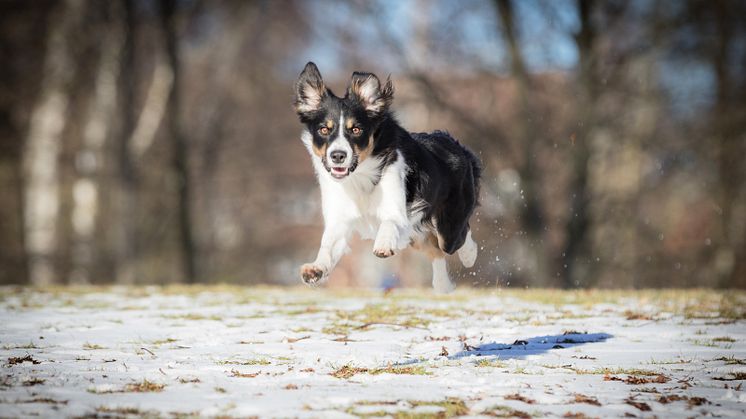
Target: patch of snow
x: 272, y: 352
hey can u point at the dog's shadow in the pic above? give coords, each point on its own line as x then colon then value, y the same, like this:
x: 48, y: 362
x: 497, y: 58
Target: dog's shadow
x: 522, y: 348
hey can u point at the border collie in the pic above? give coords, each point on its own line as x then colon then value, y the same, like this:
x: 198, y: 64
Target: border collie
x: 387, y: 184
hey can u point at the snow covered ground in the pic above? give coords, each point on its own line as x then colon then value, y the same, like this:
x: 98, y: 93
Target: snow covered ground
x: 270, y: 352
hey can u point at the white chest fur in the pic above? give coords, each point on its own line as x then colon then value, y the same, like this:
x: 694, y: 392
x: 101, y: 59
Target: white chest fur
x: 366, y: 198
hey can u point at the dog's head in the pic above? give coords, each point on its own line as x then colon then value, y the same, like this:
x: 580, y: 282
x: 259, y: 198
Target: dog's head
x: 342, y: 128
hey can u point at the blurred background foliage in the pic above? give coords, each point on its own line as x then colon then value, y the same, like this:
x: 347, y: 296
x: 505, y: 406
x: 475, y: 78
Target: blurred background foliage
x: 146, y: 141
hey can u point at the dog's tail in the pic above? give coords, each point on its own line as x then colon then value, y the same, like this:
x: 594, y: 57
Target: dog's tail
x: 476, y: 168
x: 476, y: 171
x: 468, y: 251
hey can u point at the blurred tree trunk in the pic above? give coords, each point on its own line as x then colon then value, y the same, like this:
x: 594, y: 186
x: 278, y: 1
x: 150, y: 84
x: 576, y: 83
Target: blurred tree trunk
x: 43, y: 142
x: 617, y: 150
x: 575, y: 260
x: 245, y: 28
x: 23, y: 36
x: 531, y: 215
x: 729, y: 144
x: 168, y: 9
x: 13, y: 268
x: 738, y: 278
x: 126, y: 191
x: 89, y: 182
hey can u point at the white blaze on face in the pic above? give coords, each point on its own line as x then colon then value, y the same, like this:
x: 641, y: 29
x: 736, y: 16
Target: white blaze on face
x: 340, y: 143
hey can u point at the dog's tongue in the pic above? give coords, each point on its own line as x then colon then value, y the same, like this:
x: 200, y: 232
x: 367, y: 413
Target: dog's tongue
x: 339, y: 172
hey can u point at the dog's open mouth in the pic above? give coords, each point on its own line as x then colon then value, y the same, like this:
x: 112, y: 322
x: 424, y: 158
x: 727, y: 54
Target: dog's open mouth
x: 339, y: 172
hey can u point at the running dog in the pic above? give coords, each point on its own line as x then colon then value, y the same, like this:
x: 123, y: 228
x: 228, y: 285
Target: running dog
x: 377, y: 179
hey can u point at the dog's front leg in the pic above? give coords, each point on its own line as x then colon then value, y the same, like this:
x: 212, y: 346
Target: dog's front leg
x: 333, y: 247
x: 393, y: 233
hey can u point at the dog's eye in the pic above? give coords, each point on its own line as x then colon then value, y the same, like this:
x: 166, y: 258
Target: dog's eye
x: 324, y: 131
x: 355, y: 130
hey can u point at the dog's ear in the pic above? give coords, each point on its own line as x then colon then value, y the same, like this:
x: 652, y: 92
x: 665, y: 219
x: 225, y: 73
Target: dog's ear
x: 367, y: 88
x: 309, y: 90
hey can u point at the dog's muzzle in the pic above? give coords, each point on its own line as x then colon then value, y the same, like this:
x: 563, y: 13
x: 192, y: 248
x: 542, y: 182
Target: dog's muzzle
x: 340, y: 166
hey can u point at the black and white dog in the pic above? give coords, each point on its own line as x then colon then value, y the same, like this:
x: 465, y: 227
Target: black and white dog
x: 387, y: 184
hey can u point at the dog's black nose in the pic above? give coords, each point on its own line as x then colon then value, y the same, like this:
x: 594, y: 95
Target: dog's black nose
x: 338, y: 156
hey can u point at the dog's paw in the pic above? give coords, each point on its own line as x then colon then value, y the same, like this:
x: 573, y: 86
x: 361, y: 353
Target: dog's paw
x: 386, y: 241
x: 312, y: 274
x: 383, y: 253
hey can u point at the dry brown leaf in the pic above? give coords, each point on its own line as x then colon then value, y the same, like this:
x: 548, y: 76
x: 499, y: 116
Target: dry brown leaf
x: 640, y: 405
x: 520, y: 398
x: 581, y: 398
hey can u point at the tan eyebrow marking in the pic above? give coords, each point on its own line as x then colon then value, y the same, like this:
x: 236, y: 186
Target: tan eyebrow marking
x: 349, y: 123
x: 329, y: 123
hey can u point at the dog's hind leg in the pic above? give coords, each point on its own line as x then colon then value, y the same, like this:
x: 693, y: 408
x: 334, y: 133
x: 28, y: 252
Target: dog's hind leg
x: 441, y: 281
x: 468, y: 251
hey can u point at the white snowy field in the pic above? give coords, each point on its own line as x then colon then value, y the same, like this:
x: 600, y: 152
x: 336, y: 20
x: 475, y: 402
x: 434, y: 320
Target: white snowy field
x: 271, y: 352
